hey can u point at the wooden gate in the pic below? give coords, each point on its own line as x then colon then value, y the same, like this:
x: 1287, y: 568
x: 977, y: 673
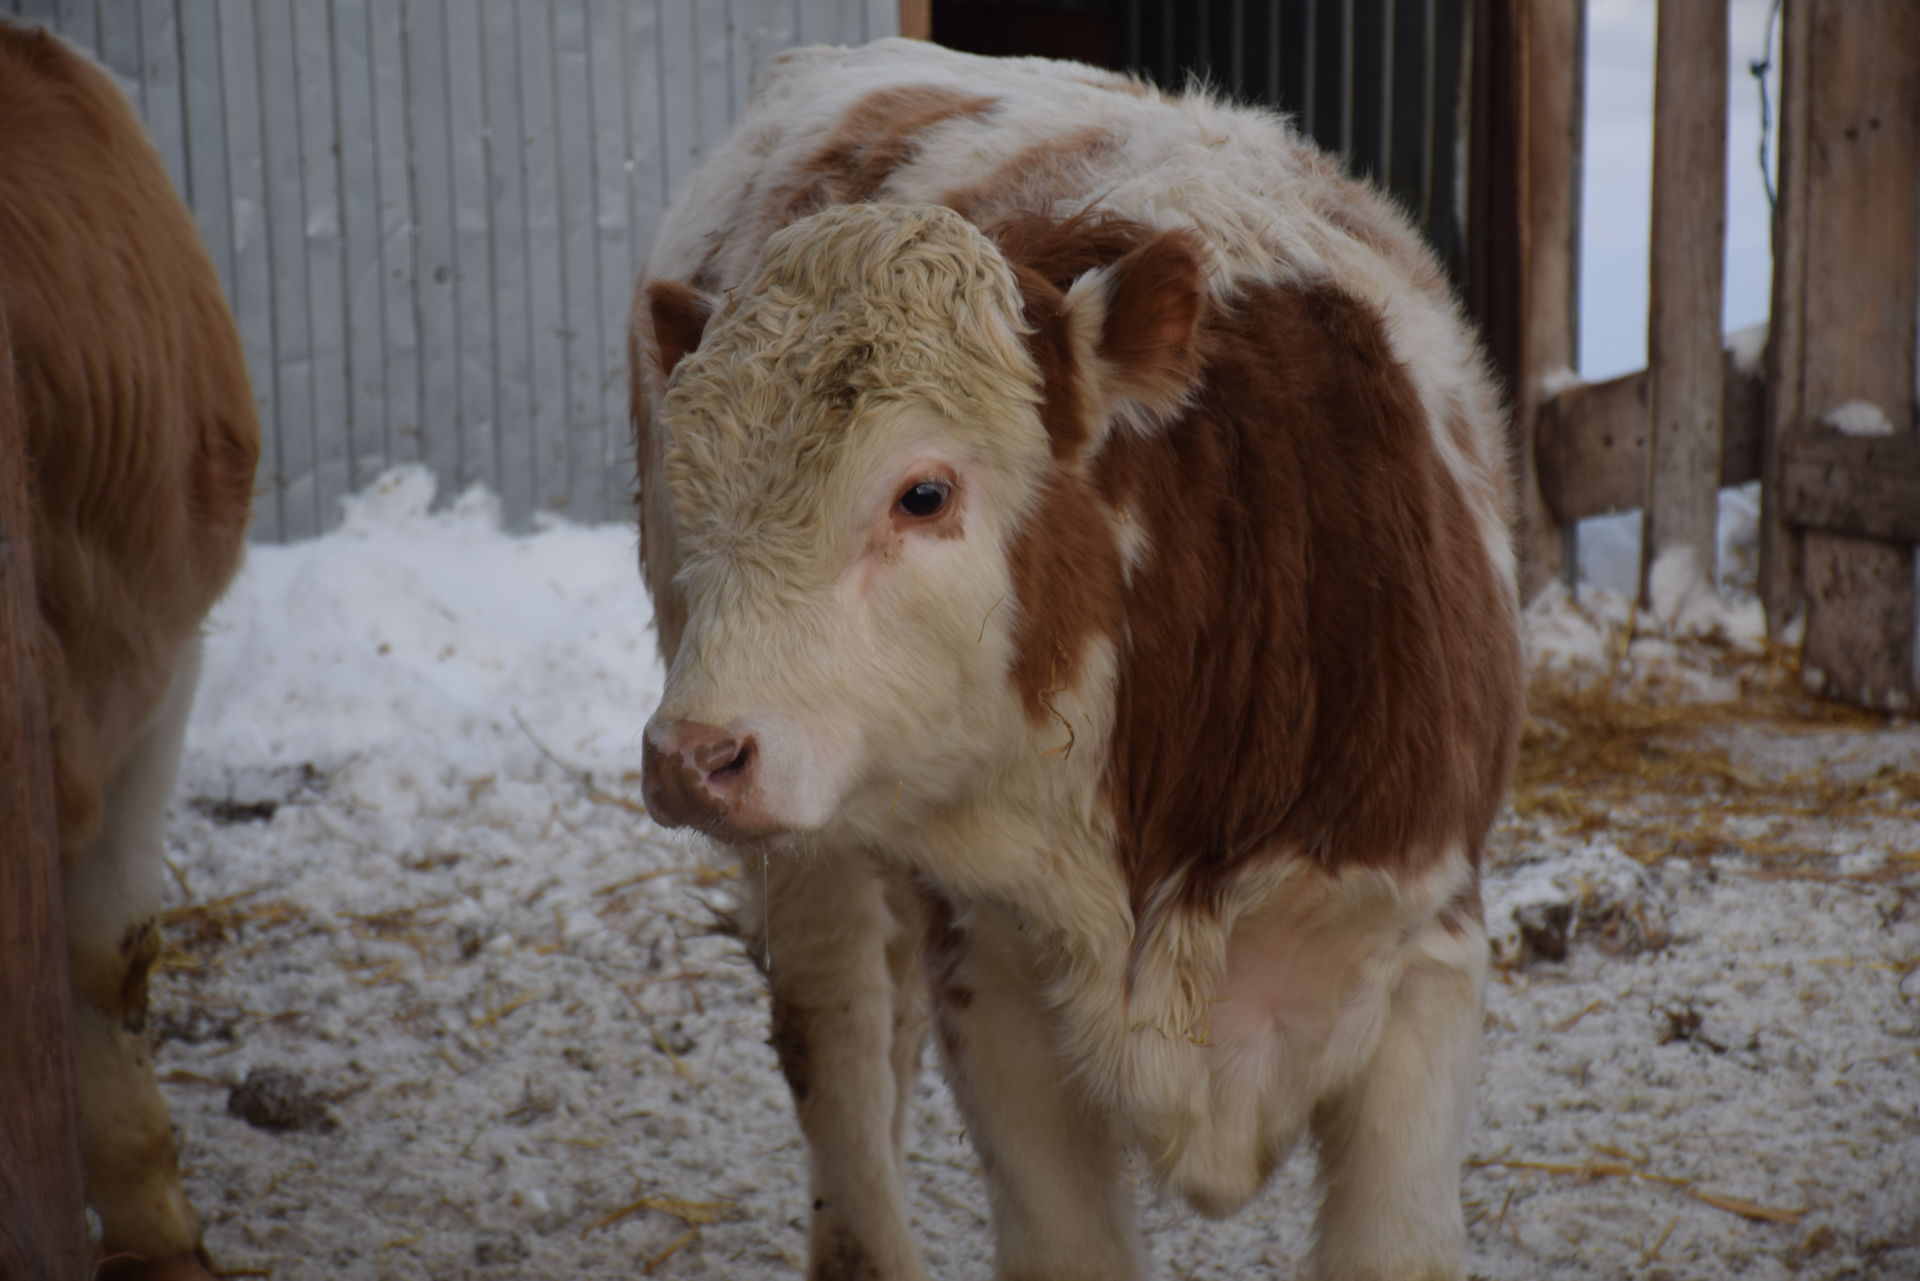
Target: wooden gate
x: 1828, y: 423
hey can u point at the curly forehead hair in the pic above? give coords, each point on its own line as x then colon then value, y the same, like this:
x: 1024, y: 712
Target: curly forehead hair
x: 849, y: 309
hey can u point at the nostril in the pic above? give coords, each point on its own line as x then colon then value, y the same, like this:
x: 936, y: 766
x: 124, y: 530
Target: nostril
x: 735, y: 765
x: 709, y: 757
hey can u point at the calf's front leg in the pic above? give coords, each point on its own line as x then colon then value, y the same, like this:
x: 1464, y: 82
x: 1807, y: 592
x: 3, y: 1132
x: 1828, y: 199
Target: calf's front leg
x: 836, y: 942
x: 1055, y: 1167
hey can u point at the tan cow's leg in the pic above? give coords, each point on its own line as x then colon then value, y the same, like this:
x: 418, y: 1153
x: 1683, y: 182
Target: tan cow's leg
x: 113, y: 889
x: 1055, y: 1169
x: 1391, y: 1145
x: 847, y: 1029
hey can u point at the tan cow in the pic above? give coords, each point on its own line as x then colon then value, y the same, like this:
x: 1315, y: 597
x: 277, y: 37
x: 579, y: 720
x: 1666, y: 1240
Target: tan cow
x: 142, y: 437
x: 1077, y: 522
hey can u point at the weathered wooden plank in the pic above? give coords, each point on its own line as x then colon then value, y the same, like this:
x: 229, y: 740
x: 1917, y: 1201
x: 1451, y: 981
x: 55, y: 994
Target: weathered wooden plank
x: 760, y: 28
x: 474, y: 418
x: 429, y: 143
x: 616, y: 254
x: 40, y: 1231
x: 393, y: 200
x: 359, y: 169
x: 512, y: 337
x: 916, y: 19
x: 646, y: 172
x: 713, y: 53
x: 545, y: 297
x: 321, y: 200
x: 204, y: 124
x: 1683, y: 315
x: 679, y: 90
x: 250, y: 286
x: 78, y: 21
x: 119, y: 48
x: 293, y: 423
x: 1537, y: 48
x: 1861, y: 486
x: 585, y: 407
x: 1782, y: 550
x: 1862, y: 274
x: 162, y: 107
x: 1591, y: 442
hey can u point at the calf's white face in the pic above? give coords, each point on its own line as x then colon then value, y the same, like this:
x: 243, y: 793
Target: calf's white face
x: 849, y: 448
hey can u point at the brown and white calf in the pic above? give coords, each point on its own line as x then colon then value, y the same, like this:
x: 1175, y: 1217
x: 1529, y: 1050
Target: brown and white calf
x: 141, y: 435
x: 1076, y: 518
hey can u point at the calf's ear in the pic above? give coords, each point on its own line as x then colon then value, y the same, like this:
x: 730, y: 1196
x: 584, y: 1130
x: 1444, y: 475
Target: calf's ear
x: 1139, y: 319
x: 679, y: 315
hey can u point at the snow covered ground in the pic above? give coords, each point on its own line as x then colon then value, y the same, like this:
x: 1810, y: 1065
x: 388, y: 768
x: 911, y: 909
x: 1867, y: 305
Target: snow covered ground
x: 440, y: 1003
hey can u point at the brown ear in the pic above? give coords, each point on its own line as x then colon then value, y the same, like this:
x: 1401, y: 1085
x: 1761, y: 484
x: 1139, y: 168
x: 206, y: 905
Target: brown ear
x: 679, y: 314
x: 1154, y: 297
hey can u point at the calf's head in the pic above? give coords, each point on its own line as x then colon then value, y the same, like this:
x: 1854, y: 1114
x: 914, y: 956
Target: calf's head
x: 857, y: 442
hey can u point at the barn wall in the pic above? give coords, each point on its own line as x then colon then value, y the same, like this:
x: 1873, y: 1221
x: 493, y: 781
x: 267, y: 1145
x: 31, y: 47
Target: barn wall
x: 429, y: 214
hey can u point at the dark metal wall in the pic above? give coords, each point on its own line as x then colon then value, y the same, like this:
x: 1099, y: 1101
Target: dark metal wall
x: 1379, y: 81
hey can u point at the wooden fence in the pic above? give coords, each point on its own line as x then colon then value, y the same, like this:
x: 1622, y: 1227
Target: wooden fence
x: 430, y: 214
x: 1840, y: 510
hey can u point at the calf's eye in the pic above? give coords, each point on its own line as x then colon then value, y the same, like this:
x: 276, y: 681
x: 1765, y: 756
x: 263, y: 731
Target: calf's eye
x: 926, y: 498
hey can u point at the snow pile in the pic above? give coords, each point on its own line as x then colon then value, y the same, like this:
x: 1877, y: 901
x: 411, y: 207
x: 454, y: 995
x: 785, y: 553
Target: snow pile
x: 1749, y: 348
x: 1857, y: 418
x: 1538, y: 909
x: 440, y: 1002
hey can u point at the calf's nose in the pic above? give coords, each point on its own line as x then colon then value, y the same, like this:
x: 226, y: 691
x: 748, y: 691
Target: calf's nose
x: 699, y: 776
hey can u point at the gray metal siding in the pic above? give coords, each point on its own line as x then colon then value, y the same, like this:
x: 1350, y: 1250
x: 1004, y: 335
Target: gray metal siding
x: 429, y: 214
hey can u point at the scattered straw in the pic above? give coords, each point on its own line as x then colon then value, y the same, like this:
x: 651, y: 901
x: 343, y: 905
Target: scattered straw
x: 1653, y: 1251
x: 673, y: 1247
x: 495, y: 1015
x: 1624, y: 1170
x: 1653, y: 770
x: 678, y: 1064
x: 1567, y: 1024
x: 695, y: 1214
x: 982, y: 638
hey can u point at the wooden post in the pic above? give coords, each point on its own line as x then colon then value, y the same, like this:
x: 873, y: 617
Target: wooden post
x: 1859, y: 254
x: 1523, y: 222
x: 1555, y: 110
x: 41, y: 1207
x: 1685, y: 411
x: 916, y: 19
x: 1781, y: 550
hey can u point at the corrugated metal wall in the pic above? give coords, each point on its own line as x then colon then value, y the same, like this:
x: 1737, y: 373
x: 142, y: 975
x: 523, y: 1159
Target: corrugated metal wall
x: 430, y: 214
x: 1379, y: 81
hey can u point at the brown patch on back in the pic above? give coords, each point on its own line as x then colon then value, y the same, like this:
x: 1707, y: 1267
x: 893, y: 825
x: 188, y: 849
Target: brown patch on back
x: 1320, y: 657
x: 878, y: 136
x: 1035, y: 177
